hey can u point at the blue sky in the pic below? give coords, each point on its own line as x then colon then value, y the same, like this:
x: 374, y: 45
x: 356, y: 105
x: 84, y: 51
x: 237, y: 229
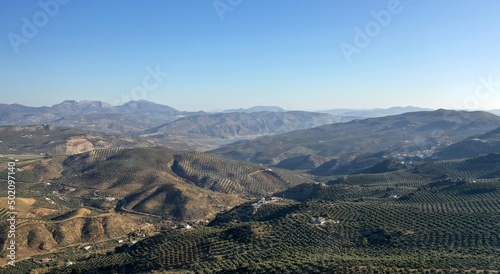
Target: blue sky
x: 241, y: 53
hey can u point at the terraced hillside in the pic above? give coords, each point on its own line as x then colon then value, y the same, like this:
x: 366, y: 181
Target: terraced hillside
x: 36, y: 236
x: 395, y: 221
x: 185, y: 185
x: 65, y: 202
x: 345, y: 227
x: 482, y: 167
x: 48, y: 223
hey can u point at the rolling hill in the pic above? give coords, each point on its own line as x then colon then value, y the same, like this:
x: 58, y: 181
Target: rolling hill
x: 257, y: 109
x: 243, y: 125
x: 390, y: 218
x: 349, y: 227
x: 371, y: 113
x: 473, y: 146
x: 162, y: 182
x: 359, y: 144
x: 376, y: 205
x: 96, y: 196
x: 51, y: 140
x: 204, y: 132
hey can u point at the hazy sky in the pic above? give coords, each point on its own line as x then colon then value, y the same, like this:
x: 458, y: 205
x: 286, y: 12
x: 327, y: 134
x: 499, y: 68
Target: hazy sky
x: 295, y: 54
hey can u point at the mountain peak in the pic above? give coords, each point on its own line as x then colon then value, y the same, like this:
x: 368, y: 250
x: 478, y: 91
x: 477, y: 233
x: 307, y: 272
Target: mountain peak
x: 144, y: 105
x: 257, y: 109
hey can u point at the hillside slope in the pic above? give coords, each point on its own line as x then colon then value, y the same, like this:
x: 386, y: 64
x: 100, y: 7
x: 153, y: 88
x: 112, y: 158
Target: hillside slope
x: 359, y: 144
x: 60, y: 140
x: 473, y: 146
x: 351, y: 229
x: 184, y: 185
x: 242, y: 124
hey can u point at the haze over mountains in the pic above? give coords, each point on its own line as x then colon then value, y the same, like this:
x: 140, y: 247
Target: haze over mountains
x: 177, y: 129
x: 234, y: 124
x: 377, y: 112
x: 257, y: 109
x: 91, y: 115
x: 350, y: 147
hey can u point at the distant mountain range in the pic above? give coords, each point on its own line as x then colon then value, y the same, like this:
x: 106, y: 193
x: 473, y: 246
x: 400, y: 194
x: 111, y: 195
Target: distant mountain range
x: 381, y: 112
x: 174, y: 129
x: 344, y: 148
x: 185, y: 130
x: 317, y: 184
x: 207, y: 131
x: 257, y: 109
x: 377, y: 112
x: 72, y: 107
x: 237, y: 124
x: 92, y: 115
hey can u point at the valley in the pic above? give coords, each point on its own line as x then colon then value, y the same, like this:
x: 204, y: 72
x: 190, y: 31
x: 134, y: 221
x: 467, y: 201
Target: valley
x: 409, y: 193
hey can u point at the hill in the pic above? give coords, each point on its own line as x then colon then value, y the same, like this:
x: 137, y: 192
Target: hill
x: 354, y: 228
x: 121, y: 123
x: 170, y: 127
x: 97, y: 196
x: 476, y: 173
x: 143, y: 106
x: 472, y: 146
x: 377, y: 112
x: 257, y: 109
x: 495, y: 111
x: 72, y: 107
x: 482, y: 167
x: 49, y: 140
x: 37, y: 236
x: 133, y: 116
x: 383, y: 221
x: 204, y: 131
x: 359, y: 144
x: 168, y: 183
x: 243, y: 125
